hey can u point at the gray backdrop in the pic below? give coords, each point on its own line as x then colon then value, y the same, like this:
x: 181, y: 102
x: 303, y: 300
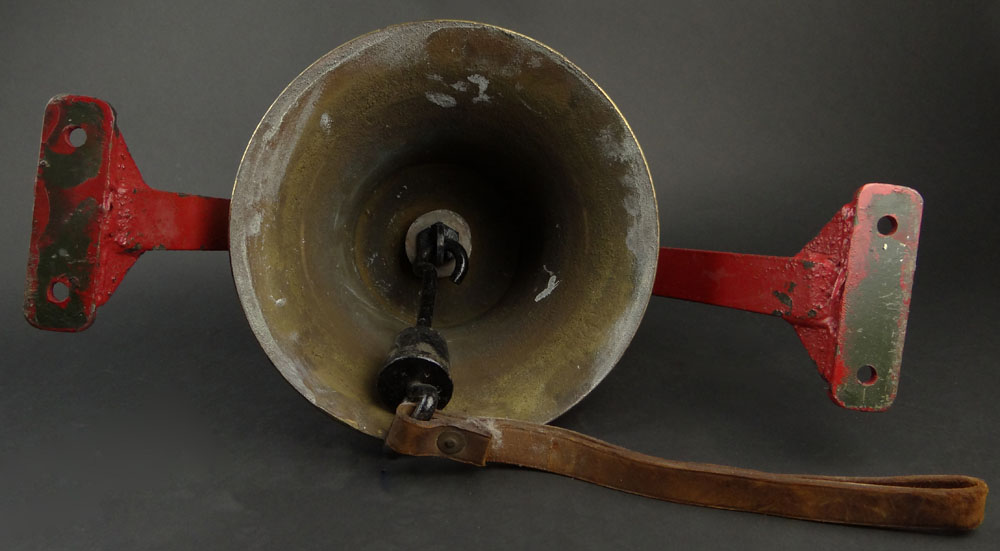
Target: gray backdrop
x: 164, y: 426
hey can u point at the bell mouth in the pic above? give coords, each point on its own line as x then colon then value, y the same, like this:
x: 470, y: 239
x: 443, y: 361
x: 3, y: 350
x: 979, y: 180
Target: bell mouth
x: 471, y: 118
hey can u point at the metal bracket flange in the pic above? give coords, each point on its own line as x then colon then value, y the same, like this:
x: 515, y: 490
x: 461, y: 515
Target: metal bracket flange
x: 847, y: 292
x: 94, y: 216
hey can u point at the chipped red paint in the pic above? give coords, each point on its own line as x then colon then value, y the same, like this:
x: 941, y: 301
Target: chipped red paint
x: 94, y: 216
x: 816, y: 290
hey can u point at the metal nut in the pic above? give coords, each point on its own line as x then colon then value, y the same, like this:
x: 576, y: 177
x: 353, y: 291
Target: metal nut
x: 450, y: 442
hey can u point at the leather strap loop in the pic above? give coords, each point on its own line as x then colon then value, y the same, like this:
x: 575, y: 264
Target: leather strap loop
x: 927, y: 502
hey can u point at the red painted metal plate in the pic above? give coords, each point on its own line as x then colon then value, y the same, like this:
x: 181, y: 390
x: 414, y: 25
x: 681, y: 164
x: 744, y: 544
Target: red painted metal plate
x: 878, y: 280
x: 94, y: 216
x: 847, y: 292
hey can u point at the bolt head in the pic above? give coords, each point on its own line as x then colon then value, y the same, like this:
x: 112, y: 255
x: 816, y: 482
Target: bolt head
x: 450, y: 442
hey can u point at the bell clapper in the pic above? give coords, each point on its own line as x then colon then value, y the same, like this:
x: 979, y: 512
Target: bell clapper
x: 453, y: 222
x: 418, y: 364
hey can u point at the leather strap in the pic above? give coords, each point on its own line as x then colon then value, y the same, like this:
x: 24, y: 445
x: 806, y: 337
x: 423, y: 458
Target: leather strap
x: 927, y: 502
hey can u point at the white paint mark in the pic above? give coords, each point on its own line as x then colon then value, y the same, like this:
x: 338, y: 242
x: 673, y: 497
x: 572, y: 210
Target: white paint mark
x: 615, y: 145
x: 381, y: 285
x: 326, y: 122
x: 885, y: 246
x: 535, y: 62
x: 551, y: 286
x: 530, y: 108
x: 280, y: 302
x: 488, y: 424
x: 482, y: 82
x: 255, y: 221
x: 436, y: 77
x: 620, y: 147
x: 443, y: 100
x: 460, y: 86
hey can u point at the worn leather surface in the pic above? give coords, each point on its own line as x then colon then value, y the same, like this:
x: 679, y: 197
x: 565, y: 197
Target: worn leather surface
x: 924, y: 502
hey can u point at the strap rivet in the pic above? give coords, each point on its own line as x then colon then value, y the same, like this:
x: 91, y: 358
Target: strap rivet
x: 450, y: 442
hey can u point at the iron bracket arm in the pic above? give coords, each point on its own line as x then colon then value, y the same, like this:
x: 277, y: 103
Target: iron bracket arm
x: 94, y: 216
x: 846, y: 293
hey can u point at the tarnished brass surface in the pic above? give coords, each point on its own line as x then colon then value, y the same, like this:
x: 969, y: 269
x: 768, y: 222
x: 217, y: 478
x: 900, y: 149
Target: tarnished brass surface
x: 445, y: 115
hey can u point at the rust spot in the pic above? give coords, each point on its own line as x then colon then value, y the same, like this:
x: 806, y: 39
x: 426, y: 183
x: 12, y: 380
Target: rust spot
x: 784, y: 298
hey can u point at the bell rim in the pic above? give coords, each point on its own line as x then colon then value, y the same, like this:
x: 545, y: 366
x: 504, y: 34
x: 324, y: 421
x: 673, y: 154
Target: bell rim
x: 242, y: 274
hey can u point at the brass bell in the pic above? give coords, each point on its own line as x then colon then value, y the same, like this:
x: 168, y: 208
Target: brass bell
x: 469, y: 118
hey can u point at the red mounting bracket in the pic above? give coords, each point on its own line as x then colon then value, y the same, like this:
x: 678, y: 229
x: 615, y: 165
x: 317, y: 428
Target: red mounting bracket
x: 847, y: 293
x: 94, y: 216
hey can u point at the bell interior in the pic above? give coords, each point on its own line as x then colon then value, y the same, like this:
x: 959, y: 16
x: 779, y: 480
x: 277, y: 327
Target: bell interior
x: 445, y: 115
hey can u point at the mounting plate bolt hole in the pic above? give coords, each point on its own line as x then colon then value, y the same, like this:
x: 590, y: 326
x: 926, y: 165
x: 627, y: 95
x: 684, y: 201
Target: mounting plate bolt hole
x: 77, y: 137
x: 59, y: 291
x: 867, y: 375
x: 887, y: 225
